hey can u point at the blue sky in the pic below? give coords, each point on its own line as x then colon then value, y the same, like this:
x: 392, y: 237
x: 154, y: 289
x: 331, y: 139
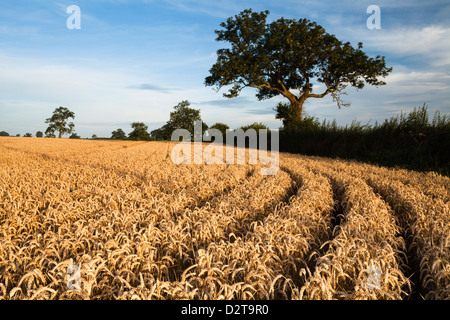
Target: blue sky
x: 133, y: 60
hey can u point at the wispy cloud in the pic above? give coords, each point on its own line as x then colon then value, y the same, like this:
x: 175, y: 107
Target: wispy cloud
x: 151, y: 87
x: 430, y: 44
x: 261, y: 111
x: 238, y: 102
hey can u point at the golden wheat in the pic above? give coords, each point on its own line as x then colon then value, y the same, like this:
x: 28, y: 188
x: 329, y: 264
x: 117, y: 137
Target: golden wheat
x: 119, y: 220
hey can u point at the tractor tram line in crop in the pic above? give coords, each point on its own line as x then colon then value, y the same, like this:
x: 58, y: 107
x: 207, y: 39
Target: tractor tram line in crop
x: 108, y: 220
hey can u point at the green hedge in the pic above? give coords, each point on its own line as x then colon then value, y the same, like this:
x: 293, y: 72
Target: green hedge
x: 410, y: 140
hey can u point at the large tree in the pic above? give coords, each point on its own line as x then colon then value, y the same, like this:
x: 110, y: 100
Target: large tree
x: 59, y: 122
x: 288, y: 57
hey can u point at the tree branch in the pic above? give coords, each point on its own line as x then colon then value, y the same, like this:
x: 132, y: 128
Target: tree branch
x: 336, y: 92
x: 329, y: 90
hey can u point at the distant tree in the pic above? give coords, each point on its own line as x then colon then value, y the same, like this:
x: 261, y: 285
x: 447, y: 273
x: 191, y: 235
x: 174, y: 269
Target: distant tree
x: 222, y: 127
x: 39, y: 134
x: 18, y: 135
x: 94, y: 136
x: 4, y: 134
x: 139, y: 132
x: 28, y: 135
x: 285, y: 57
x: 158, y: 134
x: 182, y: 117
x: 163, y: 133
x: 256, y: 125
x: 58, y: 122
x: 49, y: 133
x: 74, y: 136
x: 118, y: 134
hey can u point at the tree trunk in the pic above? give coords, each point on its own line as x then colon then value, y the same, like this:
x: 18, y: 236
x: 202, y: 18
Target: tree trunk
x: 296, y: 104
x: 297, y: 107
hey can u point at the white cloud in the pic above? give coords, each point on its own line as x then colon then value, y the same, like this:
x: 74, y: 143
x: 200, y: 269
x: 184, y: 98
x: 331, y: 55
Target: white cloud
x: 405, y: 89
x: 94, y: 94
x: 431, y: 43
x: 102, y: 95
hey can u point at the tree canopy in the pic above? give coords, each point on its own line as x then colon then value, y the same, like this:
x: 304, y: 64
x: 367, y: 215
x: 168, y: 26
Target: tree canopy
x: 118, y: 134
x: 140, y: 131
x: 59, y: 122
x: 256, y: 126
x: 182, y: 117
x: 74, y: 136
x: 289, y: 57
x: 222, y: 127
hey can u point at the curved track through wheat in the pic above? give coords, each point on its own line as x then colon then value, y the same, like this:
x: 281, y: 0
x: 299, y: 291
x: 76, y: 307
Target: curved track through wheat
x: 137, y: 226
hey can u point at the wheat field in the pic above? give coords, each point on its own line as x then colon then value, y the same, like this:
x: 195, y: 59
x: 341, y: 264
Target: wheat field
x: 113, y: 220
